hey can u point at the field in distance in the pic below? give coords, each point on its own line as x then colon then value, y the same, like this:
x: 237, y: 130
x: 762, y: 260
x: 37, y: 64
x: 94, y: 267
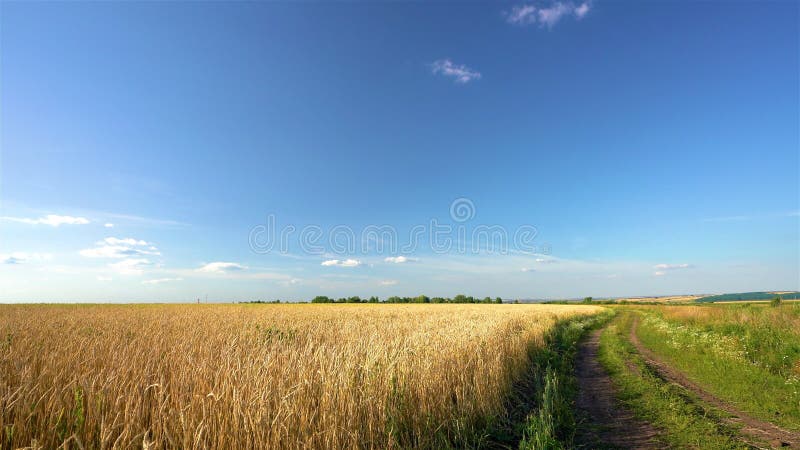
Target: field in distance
x: 664, y: 299
x: 262, y: 376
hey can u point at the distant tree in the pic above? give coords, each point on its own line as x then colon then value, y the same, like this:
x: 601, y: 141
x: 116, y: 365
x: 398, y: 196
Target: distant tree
x: 498, y: 300
x: 460, y: 298
x: 354, y: 299
x: 587, y: 300
x: 321, y: 299
x: 776, y: 301
x: 422, y: 299
x: 373, y: 299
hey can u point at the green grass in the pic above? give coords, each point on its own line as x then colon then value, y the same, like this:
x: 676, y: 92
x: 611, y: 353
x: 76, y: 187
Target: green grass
x: 551, y: 425
x: 684, y: 422
x: 746, y: 355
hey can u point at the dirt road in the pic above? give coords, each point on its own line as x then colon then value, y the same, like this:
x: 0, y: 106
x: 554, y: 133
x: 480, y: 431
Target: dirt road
x: 763, y: 431
x: 602, y: 421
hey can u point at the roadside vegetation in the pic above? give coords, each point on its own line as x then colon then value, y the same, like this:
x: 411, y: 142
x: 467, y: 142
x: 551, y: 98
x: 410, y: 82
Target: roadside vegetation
x: 684, y: 422
x: 286, y: 376
x: 551, y: 425
x: 745, y: 354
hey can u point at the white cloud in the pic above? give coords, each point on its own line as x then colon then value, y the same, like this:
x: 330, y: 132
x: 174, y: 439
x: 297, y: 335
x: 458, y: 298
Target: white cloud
x: 102, y: 278
x: 388, y: 282
x: 125, y: 241
x: 671, y: 266
x: 161, y: 280
x: 522, y: 15
x: 662, y: 269
x: 112, y: 247
x: 758, y: 216
x: 552, y: 15
x: 24, y: 257
x: 528, y: 269
x: 582, y: 10
x: 528, y: 14
x: 399, y: 259
x: 221, y: 267
x: 142, y: 221
x: 131, y: 266
x: 461, y: 73
x: 340, y: 263
x: 53, y: 220
x: 546, y: 260
x: 109, y: 225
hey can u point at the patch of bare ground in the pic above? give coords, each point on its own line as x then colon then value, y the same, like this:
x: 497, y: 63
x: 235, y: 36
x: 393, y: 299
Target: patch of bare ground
x: 750, y: 426
x: 602, y: 421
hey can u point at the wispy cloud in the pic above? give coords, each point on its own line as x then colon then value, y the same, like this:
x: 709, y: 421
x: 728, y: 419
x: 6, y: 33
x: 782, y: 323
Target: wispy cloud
x: 140, y: 221
x: 743, y: 218
x: 388, y: 282
x: 112, y: 247
x: 529, y: 14
x: 527, y: 270
x: 662, y: 269
x: 552, y: 15
x: 399, y: 259
x: 161, y: 280
x: 522, y: 15
x: 24, y: 257
x: 134, y: 254
x: 221, y: 267
x: 132, y: 266
x: 581, y: 10
x: 52, y: 220
x: 459, y: 72
x: 671, y: 266
x: 342, y: 263
x: 109, y: 225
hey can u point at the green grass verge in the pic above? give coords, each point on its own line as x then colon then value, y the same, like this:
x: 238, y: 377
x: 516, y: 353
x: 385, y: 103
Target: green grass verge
x: 751, y: 365
x: 684, y: 421
x: 551, y: 425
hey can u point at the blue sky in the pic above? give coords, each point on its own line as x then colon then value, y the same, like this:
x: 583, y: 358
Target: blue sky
x: 653, y: 147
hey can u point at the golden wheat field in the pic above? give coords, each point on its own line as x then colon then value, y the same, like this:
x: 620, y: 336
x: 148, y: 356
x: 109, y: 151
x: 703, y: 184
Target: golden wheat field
x: 260, y: 376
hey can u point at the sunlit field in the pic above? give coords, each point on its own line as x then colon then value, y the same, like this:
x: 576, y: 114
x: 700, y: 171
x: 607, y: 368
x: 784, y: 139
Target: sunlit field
x: 746, y: 354
x: 262, y: 376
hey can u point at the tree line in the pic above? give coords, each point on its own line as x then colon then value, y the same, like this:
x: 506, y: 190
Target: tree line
x: 395, y: 299
x: 418, y: 299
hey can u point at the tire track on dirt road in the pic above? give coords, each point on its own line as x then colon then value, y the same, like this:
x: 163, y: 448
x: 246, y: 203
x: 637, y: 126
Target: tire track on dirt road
x: 607, y: 423
x: 768, y: 432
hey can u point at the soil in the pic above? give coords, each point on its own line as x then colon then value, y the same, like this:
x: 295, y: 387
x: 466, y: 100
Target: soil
x: 602, y: 421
